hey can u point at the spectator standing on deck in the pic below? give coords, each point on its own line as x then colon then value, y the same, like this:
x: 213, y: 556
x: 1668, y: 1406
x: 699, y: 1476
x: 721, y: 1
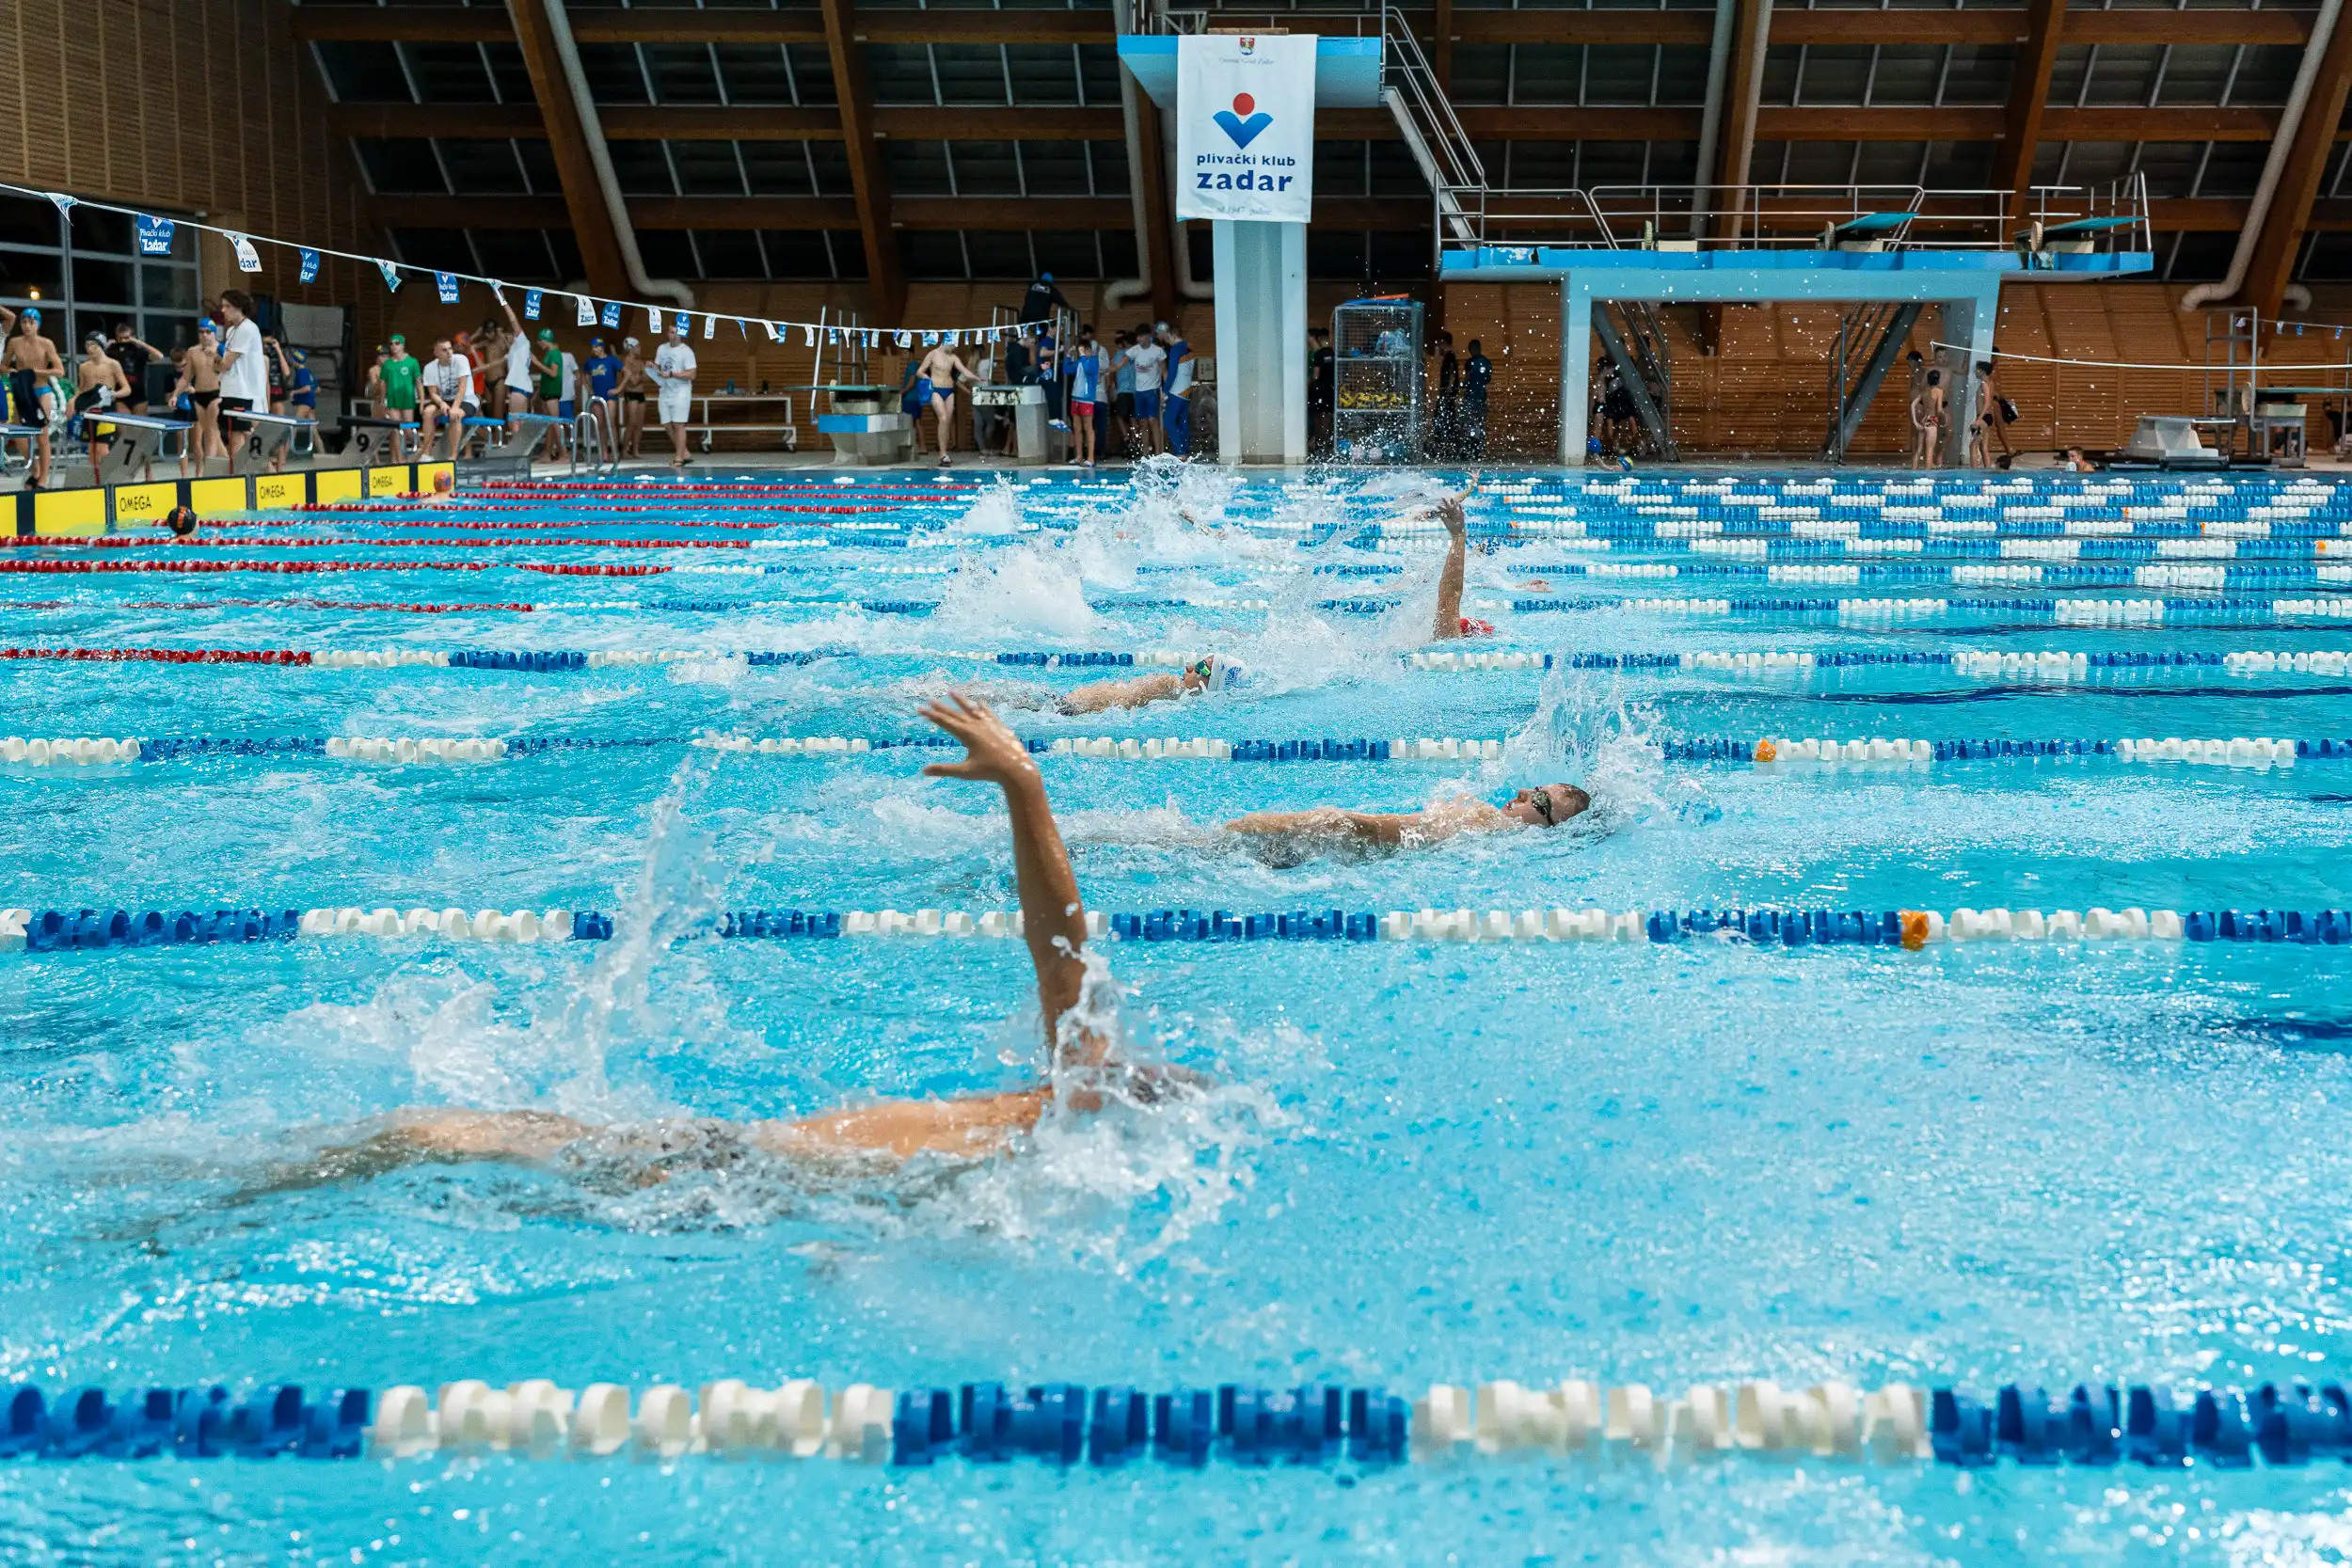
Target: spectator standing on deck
x: 1995, y: 414
x: 99, y: 385
x: 134, y: 356
x: 302, y: 388
x: 673, y: 382
x: 1477, y: 371
x: 1124, y: 395
x: 1321, y: 371
x: 199, y: 384
x: 1927, y: 420
x: 636, y: 377
x: 1086, y: 394
x: 604, y: 384
x: 1151, y: 362
x: 244, y: 369
x: 33, y: 366
x: 1037, y: 307
x: 400, y: 375
x: 1177, y: 415
x: 1445, y: 429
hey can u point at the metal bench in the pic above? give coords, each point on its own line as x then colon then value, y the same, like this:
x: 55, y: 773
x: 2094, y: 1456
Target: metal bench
x: 268, y: 437
x: 135, y: 444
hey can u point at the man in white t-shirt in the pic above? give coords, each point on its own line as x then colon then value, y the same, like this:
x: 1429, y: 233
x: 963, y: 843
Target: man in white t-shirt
x: 244, y: 373
x: 1149, y: 359
x: 449, y: 399
x: 673, y: 378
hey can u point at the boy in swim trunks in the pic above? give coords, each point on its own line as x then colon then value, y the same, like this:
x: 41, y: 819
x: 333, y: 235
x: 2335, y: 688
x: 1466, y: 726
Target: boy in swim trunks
x: 101, y: 386
x: 32, y: 364
x: 1079, y: 1069
x: 935, y: 381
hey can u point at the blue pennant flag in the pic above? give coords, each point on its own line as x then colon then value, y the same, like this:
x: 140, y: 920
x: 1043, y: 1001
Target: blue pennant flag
x: 612, y: 313
x: 391, y: 274
x: 309, y: 265
x: 531, y: 304
x: 445, y: 285
x: 684, y: 321
x: 154, y: 236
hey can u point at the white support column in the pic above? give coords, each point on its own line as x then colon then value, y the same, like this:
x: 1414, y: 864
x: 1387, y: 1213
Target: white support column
x: 1970, y: 322
x: 1260, y: 283
x: 1576, y: 371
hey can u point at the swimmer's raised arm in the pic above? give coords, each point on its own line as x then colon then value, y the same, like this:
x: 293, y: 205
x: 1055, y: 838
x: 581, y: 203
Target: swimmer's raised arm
x: 1053, y: 919
x: 1450, y: 579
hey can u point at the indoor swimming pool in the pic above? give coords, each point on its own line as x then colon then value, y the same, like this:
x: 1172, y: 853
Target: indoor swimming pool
x: 1942, y: 992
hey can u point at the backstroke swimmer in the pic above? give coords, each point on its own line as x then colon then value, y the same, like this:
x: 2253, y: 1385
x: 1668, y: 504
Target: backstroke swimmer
x: 1213, y: 672
x: 1080, y: 1073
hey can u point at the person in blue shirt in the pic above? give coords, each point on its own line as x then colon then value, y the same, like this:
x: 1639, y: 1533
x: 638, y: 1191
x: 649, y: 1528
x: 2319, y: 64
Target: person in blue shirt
x: 1177, y: 406
x: 1084, y: 367
x: 603, y: 370
x: 302, y: 388
x: 1476, y: 371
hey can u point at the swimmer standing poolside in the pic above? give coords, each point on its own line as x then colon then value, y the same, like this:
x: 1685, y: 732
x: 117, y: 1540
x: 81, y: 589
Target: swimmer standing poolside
x: 1079, y: 1068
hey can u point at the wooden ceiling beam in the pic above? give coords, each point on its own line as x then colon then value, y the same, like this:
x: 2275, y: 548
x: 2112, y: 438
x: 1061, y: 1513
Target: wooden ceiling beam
x: 765, y: 212
x: 869, y: 178
x: 2279, y: 240
x: 590, y: 219
x: 2028, y: 97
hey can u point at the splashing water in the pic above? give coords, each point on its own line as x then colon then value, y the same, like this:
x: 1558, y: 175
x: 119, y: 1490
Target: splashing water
x: 1031, y: 588
x: 996, y: 515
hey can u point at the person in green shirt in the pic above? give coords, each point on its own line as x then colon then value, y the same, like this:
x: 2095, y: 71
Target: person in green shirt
x: 399, y: 374
x: 546, y: 367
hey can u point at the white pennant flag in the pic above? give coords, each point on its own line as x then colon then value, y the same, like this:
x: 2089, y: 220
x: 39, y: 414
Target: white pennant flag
x: 247, y: 258
x: 653, y: 320
x: 587, y: 316
x: 811, y: 341
x: 711, y: 326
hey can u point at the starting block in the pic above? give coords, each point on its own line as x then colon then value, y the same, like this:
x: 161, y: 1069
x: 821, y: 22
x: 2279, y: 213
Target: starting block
x: 373, y: 442
x: 136, y: 442
x: 526, y: 434
x: 269, y: 437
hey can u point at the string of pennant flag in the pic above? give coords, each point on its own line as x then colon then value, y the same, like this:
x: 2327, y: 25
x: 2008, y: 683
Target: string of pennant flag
x: 155, y: 235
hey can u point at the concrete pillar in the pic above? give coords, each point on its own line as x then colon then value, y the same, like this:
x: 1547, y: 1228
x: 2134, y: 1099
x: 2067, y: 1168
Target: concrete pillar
x: 1576, y: 371
x: 1261, y: 342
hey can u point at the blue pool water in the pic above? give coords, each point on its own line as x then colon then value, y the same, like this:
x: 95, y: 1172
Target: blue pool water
x: 1678, y: 1163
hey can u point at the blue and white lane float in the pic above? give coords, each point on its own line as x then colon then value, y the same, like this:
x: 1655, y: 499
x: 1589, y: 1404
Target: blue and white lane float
x: 93, y: 930
x: 1897, y: 1425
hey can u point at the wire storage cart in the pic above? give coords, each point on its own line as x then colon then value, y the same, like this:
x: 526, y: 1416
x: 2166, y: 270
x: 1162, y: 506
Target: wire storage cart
x: 1376, y: 379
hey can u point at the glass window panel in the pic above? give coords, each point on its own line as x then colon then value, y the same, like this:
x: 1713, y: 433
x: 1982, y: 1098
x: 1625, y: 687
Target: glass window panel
x: 1834, y: 73
x: 985, y: 169
x: 1907, y: 74
x: 812, y: 67
x: 1481, y: 70
x: 729, y: 253
x: 2123, y: 73
x: 26, y: 273
x: 96, y: 230
x: 405, y: 167
x: 1394, y: 173
x: 363, y: 73
x: 538, y: 161
x: 1889, y: 163
x: 2094, y: 162
x: 1681, y: 74
x: 431, y: 247
x: 833, y: 176
x: 2195, y: 73
x: 2170, y: 167
x: 1615, y: 163
x: 755, y: 74
x: 918, y: 168
x: 899, y: 73
x: 1960, y: 165
x: 101, y: 281
x: 1813, y: 163
x: 483, y: 167
x: 2266, y: 74
x: 1335, y: 256
x: 1068, y: 253
x: 1397, y: 257
x: 997, y: 254
x: 566, y: 248
x: 706, y: 168
x: 1062, y: 168
x: 667, y: 253
x: 1673, y: 162
x: 641, y: 168
x: 2234, y: 169
x: 170, y: 333
x: 970, y: 73
x: 612, y: 73
x: 507, y: 69
x: 928, y: 255
x: 1536, y: 164
x: 1619, y: 72
x: 1109, y: 160
x: 2201, y: 258
x: 2067, y: 72
x: 168, y: 288
x: 520, y: 254
x: 1780, y: 76
x: 1340, y: 168
x: 1547, y: 73
x: 796, y: 253
x: 1098, y: 72
x: 1042, y: 74
x: 1979, y: 74
x: 777, y: 168
x: 681, y: 73
x: 848, y: 252
x: 450, y: 74
x: 1118, y: 247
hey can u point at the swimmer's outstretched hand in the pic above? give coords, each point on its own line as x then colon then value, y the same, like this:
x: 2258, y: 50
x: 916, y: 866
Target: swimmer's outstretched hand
x: 1450, y: 510
x: 993, y: 753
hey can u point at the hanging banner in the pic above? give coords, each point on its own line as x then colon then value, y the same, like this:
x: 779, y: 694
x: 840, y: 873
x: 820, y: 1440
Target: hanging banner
x: 1246, y: 127
x: 653, y: 320
x: 711, y: 326
x: 612, y: 313
x: 445, y: 285
x: 309, y: 264
x: 391, y: 274
x: 154, y: 236
x: 587, y: 316
x: 533, y: 299
x: 248, y: 260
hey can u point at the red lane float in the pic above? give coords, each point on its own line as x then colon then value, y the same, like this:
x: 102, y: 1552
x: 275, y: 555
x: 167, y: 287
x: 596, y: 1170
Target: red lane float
x: 308, y: 542
x: 165, y: 656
